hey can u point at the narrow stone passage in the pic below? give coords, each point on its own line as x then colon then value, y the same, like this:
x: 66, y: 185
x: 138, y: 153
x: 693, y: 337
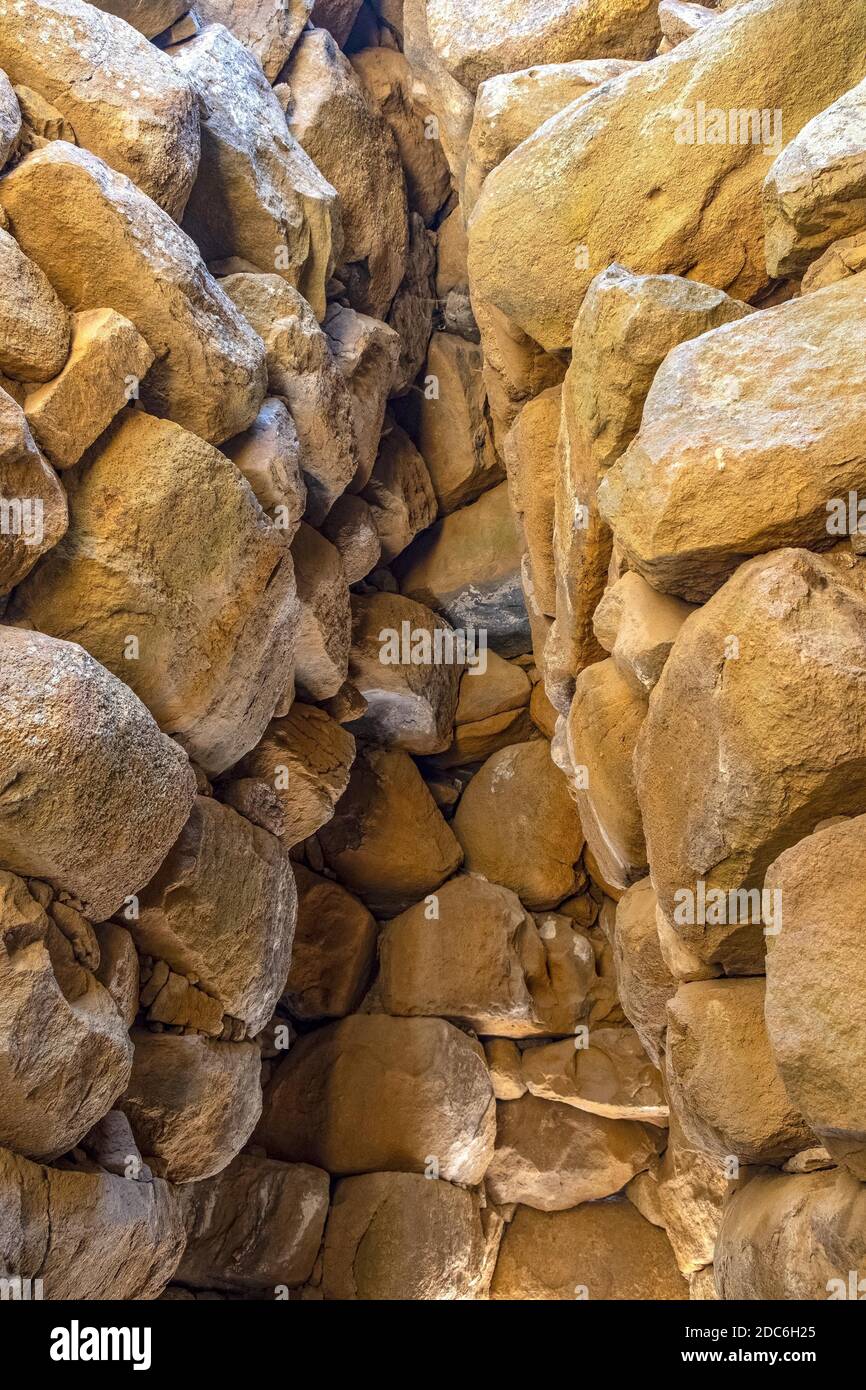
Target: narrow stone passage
x: 433, y: 650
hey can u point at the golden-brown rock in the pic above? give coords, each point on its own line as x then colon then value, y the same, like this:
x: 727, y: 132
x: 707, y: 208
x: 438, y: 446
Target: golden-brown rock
x: 373, y: 1093
x: 333, y: 951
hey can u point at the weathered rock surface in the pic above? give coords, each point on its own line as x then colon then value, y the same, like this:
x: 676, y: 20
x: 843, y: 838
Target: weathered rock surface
x: 362, y: 162
x: 367, y: 353
x: 511, y: 106
x: 373, y: 1093
x: 132, y: 1231
x: 638, y: 627
x: 644, y: 981
x: 302, y: 370
x: 390, y: 83
x: 775, y: 1219
x: 545, y: 223
x: 411, y: 311
x: 764, y: 681
x: 626, y: 325
x: 257, y: 1225
x: 747, y: 456
x: 387, y: 841
x: 351, y: 527
x: 124, y: 99
x: 149, y: 17
x: 257, y: 195
x: 269, y: 456
x: 403, y: 1236
x: 453, y: 433
x: 34, y: 511
x: 269, y: 31
x: 333, y: 951
x: 407, y: 665
x: 64, y: 1052
x: 600, y: 735
x: 467, y: 567
x: 612, y: 1076
x: 107, y: 361
x: 193, y: 1103
x: 104, y: 244
x: 222, y: 910
x: 816, y: 978
x: 324, y: 625
x: 815, y: 192
x: 518, y: 825
x: 63, y: 713
x: 693, y: 1190
x: 292, y: 780
x: 722, y: 1077
x: 475, y: 955
x: 604, y: 1250
x: 478, y: 44
x: 134, y: 582
x: 552, y: 1156
x: 399, y: 492
x: 34, y: 325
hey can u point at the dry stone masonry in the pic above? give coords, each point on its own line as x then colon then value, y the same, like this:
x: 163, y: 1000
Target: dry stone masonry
x: 433, y: 649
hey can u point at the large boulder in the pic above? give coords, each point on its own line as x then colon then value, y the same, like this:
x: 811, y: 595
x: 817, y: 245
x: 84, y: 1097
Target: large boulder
x: 762, y: 687
x: 253, y: 1227
x: 302, y: 370
x: 149, y: 17
x: 450, y: 103
x: 222, y: 909
x: 518, y: 825
x: 745, y: 440
x: 325, y: 621
x: 65, y: 1055
x: 815, y: 192
x: 531, y: 457
x: 644, y: 982
x: 104, y: 244
x: 476, y: 956
x: 192, y: 1102
x: 638, y: 626
x: 600, y: 736
x: 403, y: 1236
x: 34, y: 325
x: 34, y: 513
x: 816, y: 985
x: 269, y: 31
x: 722, y: 1078
x: 124, y: 99
x: 626, y: 326
x: 363, y: 164
x: 388, y: 841
x: 612, y: 1076
x: 477, y: 43
x: 134, y: 581
x: 373, y: 1093
x: 797, y: 1237
x: 552, y: 1156
x: 546, y: 223
x: 407, y: 665
x: 131, y: 1229
x: 106, y: 364
x: 399, y: 492
x: 94, y: 795
x: 509, y: 107
x: 467, y: 567
x: 603, y: 1250
x: 293, y: 778
x: 333, y: 952
x: 453, y: 433
x: 258, y: 195
x: 367, y: 353
x: 390, y: 82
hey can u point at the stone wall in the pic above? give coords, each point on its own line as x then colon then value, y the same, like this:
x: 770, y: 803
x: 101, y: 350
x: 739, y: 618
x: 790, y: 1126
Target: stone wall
x: 433, y: 649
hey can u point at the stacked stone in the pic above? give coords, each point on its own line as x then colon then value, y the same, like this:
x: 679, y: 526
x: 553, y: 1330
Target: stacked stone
x: 432, y: 694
